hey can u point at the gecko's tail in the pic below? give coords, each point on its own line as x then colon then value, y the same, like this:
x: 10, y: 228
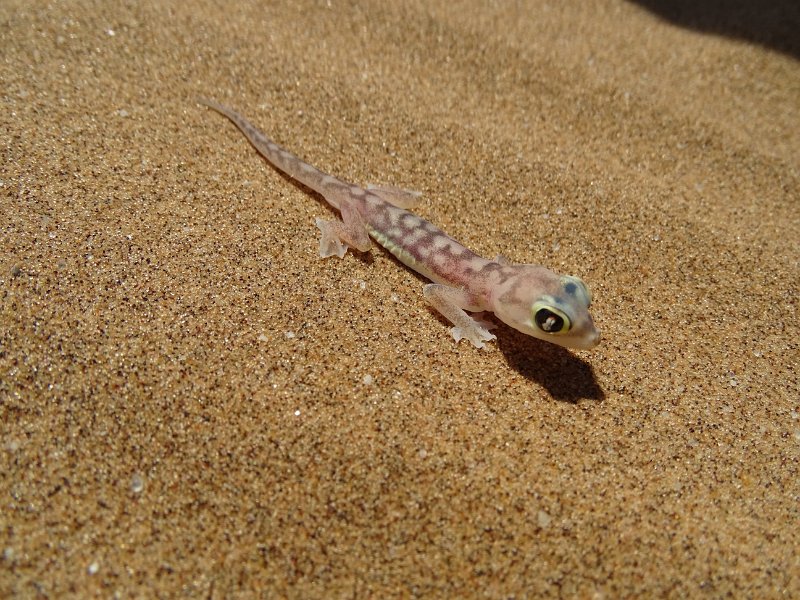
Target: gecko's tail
x: 331, y: 188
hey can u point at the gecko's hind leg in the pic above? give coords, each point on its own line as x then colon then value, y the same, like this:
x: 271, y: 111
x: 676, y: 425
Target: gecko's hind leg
x: 338, y: 235
x: 451, y: 302
x: 395, y: 196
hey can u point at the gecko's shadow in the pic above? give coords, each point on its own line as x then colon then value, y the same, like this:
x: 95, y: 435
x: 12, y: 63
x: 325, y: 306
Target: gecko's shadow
x: 564, y: 375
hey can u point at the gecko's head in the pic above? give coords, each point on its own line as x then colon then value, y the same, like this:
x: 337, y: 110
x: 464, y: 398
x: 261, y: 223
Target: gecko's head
x: 547, y: 306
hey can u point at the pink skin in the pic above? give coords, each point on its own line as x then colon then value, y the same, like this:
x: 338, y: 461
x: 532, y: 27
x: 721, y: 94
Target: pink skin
x: 529, y: 298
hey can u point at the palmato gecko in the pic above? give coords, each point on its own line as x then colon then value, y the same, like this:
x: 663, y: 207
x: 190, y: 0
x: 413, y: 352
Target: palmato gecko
x: 529, y: 298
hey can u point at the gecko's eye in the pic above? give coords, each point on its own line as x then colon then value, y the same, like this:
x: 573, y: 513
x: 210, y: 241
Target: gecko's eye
x: 549, y: 319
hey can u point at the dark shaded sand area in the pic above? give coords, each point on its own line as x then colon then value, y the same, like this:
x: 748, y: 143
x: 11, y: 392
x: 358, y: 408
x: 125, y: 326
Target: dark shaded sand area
x: 194, y: 404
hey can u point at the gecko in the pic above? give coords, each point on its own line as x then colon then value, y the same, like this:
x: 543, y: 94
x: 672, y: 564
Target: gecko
x: 530, y: 298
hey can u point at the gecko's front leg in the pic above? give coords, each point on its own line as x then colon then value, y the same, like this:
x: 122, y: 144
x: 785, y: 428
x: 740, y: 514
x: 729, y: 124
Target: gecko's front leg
x: 451, y: 303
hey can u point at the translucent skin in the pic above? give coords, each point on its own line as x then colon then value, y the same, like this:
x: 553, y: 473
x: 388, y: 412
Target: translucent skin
x: 529, y: 298
x: 528, y: 286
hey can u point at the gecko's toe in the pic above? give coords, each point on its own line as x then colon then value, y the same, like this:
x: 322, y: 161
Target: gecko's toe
x: 457, y: 333
x: 476, y: 335
x: 329, y: 244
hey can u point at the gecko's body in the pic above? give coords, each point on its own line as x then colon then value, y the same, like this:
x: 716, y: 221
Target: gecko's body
x: 529, y: 298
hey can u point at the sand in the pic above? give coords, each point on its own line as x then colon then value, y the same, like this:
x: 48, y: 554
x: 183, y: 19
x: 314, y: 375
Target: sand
x: 194, y: 404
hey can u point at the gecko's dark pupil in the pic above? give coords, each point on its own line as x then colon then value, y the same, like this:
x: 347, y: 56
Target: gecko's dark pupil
x: 549, y: 321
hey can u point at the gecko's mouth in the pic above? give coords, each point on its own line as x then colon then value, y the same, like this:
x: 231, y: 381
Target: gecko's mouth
x: 590, y: 341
